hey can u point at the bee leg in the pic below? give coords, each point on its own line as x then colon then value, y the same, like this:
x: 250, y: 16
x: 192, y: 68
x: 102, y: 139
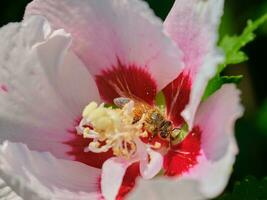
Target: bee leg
x: 175, y: 136
x: 175, y: 132
x: 121, y: 101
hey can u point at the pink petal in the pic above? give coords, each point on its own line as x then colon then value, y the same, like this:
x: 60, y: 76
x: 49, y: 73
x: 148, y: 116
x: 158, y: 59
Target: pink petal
x: 213, y: 176
x: 193, y: 24
x: 166, y: 188
x: 114, y: 39
x: 39, y: 106
x: 208, y: 178
x: 216, y: 119
x: 113, y: 171
x: 150, y: 164
x: 206, y: 181
x: 33, y: 175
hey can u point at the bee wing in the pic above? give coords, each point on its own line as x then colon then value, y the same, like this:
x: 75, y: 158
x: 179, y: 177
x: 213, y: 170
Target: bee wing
x: 121, y: 101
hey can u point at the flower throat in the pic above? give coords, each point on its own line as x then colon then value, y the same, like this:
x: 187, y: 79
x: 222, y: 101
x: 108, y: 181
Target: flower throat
x: 122, y: 128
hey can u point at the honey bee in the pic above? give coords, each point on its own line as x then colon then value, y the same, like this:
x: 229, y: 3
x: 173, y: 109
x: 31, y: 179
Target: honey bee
x: 154, y: 121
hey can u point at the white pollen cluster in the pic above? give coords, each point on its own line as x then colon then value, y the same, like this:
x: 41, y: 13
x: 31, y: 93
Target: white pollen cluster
x: 111, y: 129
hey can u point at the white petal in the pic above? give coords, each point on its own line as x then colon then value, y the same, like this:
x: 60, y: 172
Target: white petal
x: 67, y: 74
x: 193, y: 26
x: 6, y: 193
x: 36, y: 106
x: 163, y: 188
x: 105, y: 31
x: 76, y: 84
x: 34, y: 175
x: 113, y: 171
x: 150, y: 164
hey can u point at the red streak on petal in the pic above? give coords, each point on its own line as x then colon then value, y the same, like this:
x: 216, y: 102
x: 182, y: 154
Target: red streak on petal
x: 78, y: 143
x: 126, y: 81
x: 128, y: 181
x: 177, y: 95
x: 183, y: 156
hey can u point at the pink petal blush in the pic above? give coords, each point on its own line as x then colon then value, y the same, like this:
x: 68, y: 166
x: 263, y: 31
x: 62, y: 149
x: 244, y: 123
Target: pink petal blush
x: 4, y: 88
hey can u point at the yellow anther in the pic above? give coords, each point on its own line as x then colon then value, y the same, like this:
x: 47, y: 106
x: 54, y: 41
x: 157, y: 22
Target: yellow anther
x: 103, y: 123
x: 116, y: 151
x: 124, y: 152
x: 94, y: 144
x: 116, y: 118
x: 97, y: 113
x: 89, y: 108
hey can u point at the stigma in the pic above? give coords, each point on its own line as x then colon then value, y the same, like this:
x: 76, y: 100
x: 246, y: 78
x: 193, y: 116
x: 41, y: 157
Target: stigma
x: 111, y: 129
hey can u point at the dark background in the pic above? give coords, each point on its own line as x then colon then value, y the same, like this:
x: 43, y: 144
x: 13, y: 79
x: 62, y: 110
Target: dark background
x: 251, y: 130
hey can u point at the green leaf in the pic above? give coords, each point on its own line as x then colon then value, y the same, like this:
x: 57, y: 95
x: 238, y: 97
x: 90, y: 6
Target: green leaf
x: 216, y: 83
x: 232, y: 79
x: 248, y: 189
x: 262, y: 118
x: 232, y: 46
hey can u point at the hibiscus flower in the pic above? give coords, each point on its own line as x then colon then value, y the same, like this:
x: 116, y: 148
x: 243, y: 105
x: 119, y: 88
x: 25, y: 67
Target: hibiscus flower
x: 62, y: 69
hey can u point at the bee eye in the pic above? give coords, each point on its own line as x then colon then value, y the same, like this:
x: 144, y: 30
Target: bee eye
x: 164, y: 134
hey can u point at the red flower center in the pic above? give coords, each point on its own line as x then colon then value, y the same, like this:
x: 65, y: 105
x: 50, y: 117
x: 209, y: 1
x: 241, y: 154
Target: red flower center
x: 153, y: 129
